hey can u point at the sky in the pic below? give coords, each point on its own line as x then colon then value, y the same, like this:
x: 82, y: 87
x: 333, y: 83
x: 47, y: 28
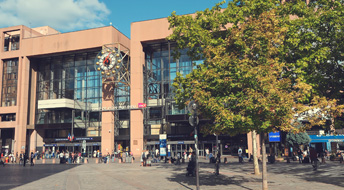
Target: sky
x: 73, y: 15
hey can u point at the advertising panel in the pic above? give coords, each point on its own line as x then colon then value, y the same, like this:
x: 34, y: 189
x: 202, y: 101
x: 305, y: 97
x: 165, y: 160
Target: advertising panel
x: 163, y: 143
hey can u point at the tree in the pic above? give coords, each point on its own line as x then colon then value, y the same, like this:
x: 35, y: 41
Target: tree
x: 247, y: 82
x: 297, y: 139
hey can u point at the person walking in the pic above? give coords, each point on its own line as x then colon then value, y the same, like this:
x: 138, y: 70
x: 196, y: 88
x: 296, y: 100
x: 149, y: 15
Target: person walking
x: 240, y: 155
x: 314, y: 158
x: 24, y: 159
x: 31, y: 159
x: 299, y: 154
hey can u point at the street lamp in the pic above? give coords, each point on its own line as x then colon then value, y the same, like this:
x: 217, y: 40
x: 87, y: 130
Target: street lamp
x: 193, y: 120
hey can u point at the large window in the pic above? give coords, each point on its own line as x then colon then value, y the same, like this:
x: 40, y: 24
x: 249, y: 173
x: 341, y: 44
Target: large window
x: 159, y: 72
x: 71, y: 76
x: 9, y: 83
x: 11, y: 40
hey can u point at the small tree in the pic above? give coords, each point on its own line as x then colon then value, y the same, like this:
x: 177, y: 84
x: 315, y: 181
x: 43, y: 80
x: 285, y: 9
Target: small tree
x: 297, y: 139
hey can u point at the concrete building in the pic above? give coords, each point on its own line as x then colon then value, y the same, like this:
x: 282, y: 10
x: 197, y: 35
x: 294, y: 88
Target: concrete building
x: 97, y: 87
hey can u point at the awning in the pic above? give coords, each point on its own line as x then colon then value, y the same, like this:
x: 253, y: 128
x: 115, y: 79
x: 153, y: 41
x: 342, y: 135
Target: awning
x: 326, y: 138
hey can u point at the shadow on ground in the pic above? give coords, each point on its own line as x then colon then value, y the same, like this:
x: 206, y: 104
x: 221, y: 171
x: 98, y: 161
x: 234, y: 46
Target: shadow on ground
x: 12, y: 176
x: 326, y: 173
x: 207, y: 177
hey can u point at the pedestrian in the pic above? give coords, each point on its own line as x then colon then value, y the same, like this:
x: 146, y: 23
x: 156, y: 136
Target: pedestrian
x: 21, y: 157
x: 31, y: 159
x: 240, y: 155
x: 24, y: 159
x: 299, y: 154
x: 322, y: 156
x: 143, y: 158
x: 314, y: 158
x: 206, y: 153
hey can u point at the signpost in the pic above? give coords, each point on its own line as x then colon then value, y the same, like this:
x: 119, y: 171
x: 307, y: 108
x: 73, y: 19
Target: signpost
x: 274, y: 137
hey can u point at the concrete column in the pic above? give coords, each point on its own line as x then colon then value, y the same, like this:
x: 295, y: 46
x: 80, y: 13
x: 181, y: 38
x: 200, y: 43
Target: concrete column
x: 108, y: 120
x: 22, y: 104
x: 33, y: 141
x: 136, y: 96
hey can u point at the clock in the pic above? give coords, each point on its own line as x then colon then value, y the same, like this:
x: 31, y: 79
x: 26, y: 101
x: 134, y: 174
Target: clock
x: 109, y: 60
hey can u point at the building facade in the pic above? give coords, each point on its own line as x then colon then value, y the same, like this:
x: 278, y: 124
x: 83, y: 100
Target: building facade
x: 95, y: 89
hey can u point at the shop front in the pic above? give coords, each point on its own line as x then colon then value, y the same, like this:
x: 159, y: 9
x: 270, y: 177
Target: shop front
x: 332, y: 143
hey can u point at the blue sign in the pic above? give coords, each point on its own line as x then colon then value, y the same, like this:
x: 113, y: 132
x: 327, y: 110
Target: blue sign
x: 83, y: 138
x: 163, y: 147
x: 61, y: 139
x: 49, y: 145
x: 274, y: 137
x: 180, y: 142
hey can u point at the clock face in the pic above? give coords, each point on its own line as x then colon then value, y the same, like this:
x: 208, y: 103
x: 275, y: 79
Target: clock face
x: 107, y: 61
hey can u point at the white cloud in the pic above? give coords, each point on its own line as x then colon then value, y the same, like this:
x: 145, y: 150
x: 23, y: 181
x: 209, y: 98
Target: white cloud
x: 63, y: 15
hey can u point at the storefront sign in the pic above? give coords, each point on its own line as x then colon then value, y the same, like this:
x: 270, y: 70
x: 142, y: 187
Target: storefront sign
x: 49, y: 145
x: 83, y: 138
x: 120, y: 107
x: 180, y: 142
x: 142, y: 105
x: 274, y: 137
x: 61, y: 139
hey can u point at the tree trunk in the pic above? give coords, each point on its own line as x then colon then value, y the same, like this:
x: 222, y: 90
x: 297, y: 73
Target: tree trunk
x: 265, y: 174
x: 254, y: 153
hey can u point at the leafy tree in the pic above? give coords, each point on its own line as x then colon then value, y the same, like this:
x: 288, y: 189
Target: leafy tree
x: 250, y: 78
x: 297, y: 139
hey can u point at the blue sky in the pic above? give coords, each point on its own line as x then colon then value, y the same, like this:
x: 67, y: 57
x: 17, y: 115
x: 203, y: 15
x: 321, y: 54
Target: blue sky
x: 72, y: 15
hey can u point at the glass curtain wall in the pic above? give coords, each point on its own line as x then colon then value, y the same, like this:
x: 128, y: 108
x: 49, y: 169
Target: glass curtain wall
x: 72, y: 76
x: 9, y: 83
x: 159, y: 72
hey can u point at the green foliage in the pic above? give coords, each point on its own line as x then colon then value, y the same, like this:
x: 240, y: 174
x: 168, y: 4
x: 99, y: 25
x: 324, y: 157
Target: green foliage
x: 258, y: 72
x: 297, y: 139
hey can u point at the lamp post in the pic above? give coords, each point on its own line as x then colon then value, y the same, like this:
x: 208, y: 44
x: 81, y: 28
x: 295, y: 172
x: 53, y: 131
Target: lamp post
x: 193, y: 120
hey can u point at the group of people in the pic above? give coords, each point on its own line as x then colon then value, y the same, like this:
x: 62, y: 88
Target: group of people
x: 69, y: 157
x: 22, y: 158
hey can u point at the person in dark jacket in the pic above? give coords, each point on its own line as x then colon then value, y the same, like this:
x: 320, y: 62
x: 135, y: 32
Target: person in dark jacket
x: 314, y: 158
x: 31, y: 159
x: 25, y: 158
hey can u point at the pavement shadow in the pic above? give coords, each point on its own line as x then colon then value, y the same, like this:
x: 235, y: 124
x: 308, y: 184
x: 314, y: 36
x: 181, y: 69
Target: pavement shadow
x: 12, y: 175
x: 209, y: 179
x: 328, y: 173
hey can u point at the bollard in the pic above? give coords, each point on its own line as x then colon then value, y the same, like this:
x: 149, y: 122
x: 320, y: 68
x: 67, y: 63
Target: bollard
x: 34, y: 161
x: 43, y: 161
x: 119, y: 160
x: 97, y: 161
x: 132, y: 160
x: 54, y: 161
x: 85, y: 161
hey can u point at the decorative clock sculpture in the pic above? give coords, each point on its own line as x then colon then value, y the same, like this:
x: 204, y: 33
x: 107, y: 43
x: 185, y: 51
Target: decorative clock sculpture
x: 109, y: 60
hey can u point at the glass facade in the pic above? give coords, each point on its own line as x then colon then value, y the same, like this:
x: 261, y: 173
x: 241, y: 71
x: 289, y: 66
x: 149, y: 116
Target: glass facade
x: 9, y: 83
x: 74, y: 77
x: 160, y: 71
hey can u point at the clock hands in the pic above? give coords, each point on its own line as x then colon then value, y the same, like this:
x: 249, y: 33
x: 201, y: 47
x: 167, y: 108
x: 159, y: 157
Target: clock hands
x: 106, y: 58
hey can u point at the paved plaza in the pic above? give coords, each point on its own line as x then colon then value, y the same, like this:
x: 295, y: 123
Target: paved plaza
x: 164, y: 176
